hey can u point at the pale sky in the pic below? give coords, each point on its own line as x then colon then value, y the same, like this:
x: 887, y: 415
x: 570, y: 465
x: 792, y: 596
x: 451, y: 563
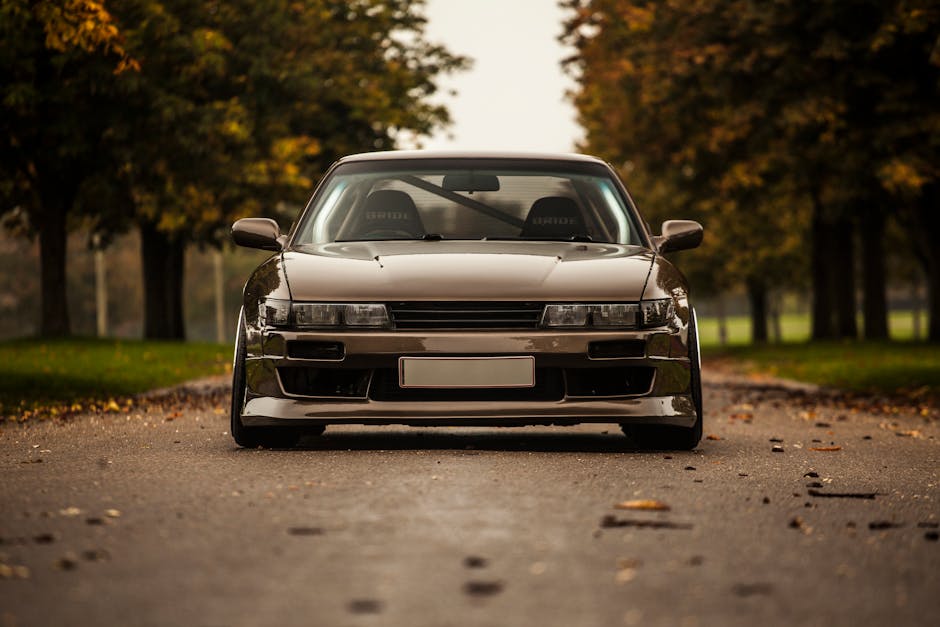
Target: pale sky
x: 514, y: 96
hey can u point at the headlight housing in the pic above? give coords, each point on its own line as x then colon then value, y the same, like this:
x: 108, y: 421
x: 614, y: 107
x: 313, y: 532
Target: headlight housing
x: 648, y: 313
x: 657, y: 313
x: 283, y: 313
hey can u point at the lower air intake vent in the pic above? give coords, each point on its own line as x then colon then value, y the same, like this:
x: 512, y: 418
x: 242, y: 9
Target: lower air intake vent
x: 325, y: 382
x: 588, y: 382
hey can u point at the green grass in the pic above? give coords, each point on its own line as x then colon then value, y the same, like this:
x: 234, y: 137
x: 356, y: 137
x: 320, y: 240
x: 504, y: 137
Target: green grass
x: 796, y: 328
x: 37, y: 374
x: 906, y: 368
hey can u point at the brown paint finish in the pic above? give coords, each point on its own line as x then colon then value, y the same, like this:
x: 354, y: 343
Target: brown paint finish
x: 469, y: 271
x: 461, y: 270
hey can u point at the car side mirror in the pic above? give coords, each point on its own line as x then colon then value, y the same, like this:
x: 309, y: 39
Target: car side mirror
x: 679, y: 235
x: 262, y: 233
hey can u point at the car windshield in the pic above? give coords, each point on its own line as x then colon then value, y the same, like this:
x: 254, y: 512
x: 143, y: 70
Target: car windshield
x: 479, y: 200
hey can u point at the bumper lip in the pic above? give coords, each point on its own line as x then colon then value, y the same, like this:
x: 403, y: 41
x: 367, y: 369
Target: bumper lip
x: 677, y: 410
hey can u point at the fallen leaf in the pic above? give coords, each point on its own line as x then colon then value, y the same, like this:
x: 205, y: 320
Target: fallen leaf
x: 844, y: 495
x: 482, y: 588
x: 305, y: 531
x: 751, y: 589
x: 826, y: 449
x: 67, y: 562
x: 365, y: 606
x: 647, y: 504
x: 70, y: 511
x: 96, y: 555
x: 712, y: 437
x: 625, y: 575
x: 112, y: 513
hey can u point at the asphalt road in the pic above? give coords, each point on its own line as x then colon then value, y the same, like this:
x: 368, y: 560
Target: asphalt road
x: 158, y: 519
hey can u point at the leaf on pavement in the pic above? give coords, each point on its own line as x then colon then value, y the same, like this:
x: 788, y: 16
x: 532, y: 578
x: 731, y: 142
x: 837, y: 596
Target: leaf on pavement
x: 826, y: 449
x: 645, y: 504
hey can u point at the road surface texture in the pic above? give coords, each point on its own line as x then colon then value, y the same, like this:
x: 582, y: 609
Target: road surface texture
x: 156, y: 518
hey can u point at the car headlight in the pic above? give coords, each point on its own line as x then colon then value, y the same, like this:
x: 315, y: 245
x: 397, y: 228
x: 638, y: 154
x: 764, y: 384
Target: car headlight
x: 649, y: 313
x: 566, y: 315
x: 317, y: 315
x: 657, y: 313
x: 623, y: 315
x: 274, y: 312
x: 365, y: 315
x: 284, y: 313
x: 616, y: 315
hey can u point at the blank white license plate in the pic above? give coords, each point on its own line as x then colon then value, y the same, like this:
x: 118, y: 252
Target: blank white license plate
x: 466, y: 372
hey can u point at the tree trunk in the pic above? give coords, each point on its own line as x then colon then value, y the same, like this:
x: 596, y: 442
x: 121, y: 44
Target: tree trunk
x: 925, y: 233
x: 933, y: 301
x: 776, y: 330
x: 162, y: 263
x: 842, y: 268
x: 874, y: 296
x: 819, y: 260
x: 53, y: 247
x: 722, y: 321
x: 757, y: 297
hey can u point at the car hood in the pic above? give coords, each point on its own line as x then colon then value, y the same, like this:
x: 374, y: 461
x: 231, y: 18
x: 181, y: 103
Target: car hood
x: 467, y: 270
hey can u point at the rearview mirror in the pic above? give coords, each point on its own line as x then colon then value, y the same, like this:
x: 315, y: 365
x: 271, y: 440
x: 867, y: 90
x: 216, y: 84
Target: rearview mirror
x: 262, y: 233
x: 679, y: 235
x: 470, y: 182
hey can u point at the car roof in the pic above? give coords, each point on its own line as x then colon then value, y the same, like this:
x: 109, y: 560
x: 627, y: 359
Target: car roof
x: 395, y: 155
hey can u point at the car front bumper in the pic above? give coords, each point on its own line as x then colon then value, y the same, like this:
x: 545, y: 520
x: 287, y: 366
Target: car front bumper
x: 665, y: 397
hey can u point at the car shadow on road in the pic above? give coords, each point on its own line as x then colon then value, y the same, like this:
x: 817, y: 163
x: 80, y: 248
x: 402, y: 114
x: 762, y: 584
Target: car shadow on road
x: 470, y: 442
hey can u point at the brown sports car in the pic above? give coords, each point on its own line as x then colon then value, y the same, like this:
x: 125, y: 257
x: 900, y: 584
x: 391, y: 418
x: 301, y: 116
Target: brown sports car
x: 426, y: 288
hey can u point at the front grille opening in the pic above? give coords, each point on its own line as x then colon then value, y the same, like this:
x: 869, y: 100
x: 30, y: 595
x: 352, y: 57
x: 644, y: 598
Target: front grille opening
x: 588, y: 382
x: 617, y: 348
x: 305, y: 349
x: 465, y: 315
x: 549, y: 386
x: 327, y: 382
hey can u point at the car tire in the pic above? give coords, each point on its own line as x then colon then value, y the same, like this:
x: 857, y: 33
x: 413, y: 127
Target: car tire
x: 668, y: 437
x: 253, y: 437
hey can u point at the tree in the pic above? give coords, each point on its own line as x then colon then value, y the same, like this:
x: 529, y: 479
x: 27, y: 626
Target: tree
x: 230, y: 108
x: 665, y: 87
x: 824, y: 111
x: 240, y: 106
x: 55, y: 57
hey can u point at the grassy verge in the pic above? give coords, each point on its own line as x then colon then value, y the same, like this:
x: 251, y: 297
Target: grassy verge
x: 795, y: 327
x: 897, y: 368
x: 45, y: 374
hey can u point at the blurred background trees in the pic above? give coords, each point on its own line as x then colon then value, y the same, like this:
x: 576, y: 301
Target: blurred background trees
x: 177, y: 117
x: 795, y: 130
x: 803, y: 134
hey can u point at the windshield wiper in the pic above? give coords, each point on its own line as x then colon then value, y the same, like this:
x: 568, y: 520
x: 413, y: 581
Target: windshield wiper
x: 427, y: 237
x: 519, y: 238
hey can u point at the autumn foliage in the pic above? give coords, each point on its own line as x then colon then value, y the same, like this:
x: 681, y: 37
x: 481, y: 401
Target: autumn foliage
x: 792, y: 129
x: 177, y: 117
